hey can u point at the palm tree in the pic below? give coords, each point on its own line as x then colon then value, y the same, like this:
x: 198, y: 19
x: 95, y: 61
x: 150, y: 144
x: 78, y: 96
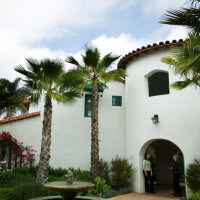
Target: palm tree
x: 184, y: 60
x: 47, y: 78
x: 96, y: 71
x: 187, y: 17
x: 12, y: 97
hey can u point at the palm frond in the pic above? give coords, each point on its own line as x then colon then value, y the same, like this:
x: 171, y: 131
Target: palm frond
x: 12, y: 97
x: 194, y: 3
x: 91, y: 57
x: 106, y: 62
x: 71, y: 80
x: 73, y: 61
x: 69, y: 97
x: 113, y: 75
x: 179, y: 85
x: 188, y: 17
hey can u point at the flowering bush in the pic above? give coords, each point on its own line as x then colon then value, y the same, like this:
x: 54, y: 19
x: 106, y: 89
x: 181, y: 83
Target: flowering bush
x: 26, y: 153
x: 3, y: 166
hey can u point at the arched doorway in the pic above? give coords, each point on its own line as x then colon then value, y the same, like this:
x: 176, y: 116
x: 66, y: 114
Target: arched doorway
x: 161, y: 152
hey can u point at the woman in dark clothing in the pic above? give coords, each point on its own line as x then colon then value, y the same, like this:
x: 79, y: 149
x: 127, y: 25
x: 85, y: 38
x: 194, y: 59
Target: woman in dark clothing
x: 148, y: 174
x: 176, y: 184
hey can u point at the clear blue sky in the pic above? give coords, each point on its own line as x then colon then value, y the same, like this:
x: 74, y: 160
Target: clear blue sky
x: 59, y: 28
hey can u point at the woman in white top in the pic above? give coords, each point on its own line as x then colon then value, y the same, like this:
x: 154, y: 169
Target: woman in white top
x: 148, y: 174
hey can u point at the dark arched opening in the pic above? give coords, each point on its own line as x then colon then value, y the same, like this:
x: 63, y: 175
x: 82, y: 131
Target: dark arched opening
x: 158, y: 84
x: 161, y: 152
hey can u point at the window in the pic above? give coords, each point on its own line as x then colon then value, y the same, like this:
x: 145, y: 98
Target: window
x: 88, y: 105
x: 116, y: 101
x: 158, y: 84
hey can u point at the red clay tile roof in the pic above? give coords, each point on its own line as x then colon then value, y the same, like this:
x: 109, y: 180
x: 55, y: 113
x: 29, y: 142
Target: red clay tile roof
x: 121, y: 80
x: 12, y: 119
x: 128, y: 57
x: 26, y: 101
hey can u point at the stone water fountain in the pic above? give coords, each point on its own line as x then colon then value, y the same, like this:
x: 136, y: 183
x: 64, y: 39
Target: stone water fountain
x: 68, y: 189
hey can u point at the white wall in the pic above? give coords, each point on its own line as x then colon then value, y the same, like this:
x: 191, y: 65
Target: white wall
x: 27, y: 131
x: 71, y: 130
x: 179, y: 114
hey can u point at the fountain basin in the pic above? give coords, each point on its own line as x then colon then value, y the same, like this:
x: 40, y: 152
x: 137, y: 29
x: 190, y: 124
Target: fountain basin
x: 62, y: 186
x: 68, y: 191
x: 60, y: 198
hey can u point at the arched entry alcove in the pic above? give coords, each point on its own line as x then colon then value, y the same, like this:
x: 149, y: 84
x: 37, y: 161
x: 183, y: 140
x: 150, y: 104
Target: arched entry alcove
x: 162, y: 152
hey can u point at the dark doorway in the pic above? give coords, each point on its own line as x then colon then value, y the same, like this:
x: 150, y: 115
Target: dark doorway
x: 161, y: 152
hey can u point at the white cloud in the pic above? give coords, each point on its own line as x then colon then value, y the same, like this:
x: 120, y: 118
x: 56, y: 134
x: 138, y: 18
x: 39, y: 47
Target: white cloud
x: 118, y: 45
x: 151, y: 7
x: 27, y: 21
x: 177, y: 32
x: 24, y: 23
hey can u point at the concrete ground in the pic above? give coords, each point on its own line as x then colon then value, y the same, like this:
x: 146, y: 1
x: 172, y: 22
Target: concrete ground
x: 136, y: 196
x: 162, y: 192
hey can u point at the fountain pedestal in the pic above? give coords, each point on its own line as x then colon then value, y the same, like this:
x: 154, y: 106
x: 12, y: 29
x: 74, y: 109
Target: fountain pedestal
x: 68, y: 191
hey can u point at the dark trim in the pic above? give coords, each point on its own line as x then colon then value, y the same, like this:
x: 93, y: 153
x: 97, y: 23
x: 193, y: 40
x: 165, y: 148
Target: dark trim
x: 120, y: 100
x: 87, y: 95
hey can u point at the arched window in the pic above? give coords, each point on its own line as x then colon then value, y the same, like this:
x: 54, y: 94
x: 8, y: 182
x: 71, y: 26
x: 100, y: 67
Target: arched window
x: 158, y: 84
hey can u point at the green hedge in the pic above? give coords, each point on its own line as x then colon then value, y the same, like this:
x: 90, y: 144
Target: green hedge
x: 25, y: 191
x: 7, y: 193
x: 11, y: 179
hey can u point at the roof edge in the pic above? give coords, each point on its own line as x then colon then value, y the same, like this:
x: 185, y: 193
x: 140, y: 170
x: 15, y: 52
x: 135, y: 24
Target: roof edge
x: 20, y: 117
x: 135, y: 53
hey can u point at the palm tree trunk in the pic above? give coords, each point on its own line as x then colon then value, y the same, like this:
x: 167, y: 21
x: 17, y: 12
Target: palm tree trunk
x: 42, y: 173
x: 94, y: 170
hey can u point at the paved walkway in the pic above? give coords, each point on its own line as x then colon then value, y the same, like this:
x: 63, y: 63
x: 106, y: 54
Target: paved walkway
x: 163, y: 192
x: 135, y: 196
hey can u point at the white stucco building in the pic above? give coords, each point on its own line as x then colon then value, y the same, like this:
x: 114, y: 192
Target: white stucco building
x: 125, y: 112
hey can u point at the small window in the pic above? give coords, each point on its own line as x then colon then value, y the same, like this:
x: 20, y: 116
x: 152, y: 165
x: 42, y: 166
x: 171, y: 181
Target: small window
x: 88, y: 105
x: 116, y: 100
x: 158, y: 84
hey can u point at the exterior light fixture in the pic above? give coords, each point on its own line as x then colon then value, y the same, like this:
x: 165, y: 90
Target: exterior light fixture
x: 155, y: 119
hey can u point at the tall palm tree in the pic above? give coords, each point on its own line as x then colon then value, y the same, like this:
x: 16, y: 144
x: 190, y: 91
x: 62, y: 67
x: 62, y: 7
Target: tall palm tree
x: 96, y: 71
x: 12, y: 97
x: 185, y: 60
x: 48, y: 78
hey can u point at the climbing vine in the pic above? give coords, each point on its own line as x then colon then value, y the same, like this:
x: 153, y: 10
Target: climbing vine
x: 25, y: 153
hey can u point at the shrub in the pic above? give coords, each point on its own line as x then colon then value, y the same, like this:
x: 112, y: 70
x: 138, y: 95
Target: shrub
x: 32, y: 170
x: 11, y: 179
x: 31, y: 190
x: 98, y: 190
x: 59, y: 173
x: 81, y: 175
x: 196, y: 196
x: 7, y: 193
x: 3, y: 166
x: 100, y: 186
x: 193, y: 175
x: 111, y: 193
x: 121, y: 173
x: 104, y: 170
